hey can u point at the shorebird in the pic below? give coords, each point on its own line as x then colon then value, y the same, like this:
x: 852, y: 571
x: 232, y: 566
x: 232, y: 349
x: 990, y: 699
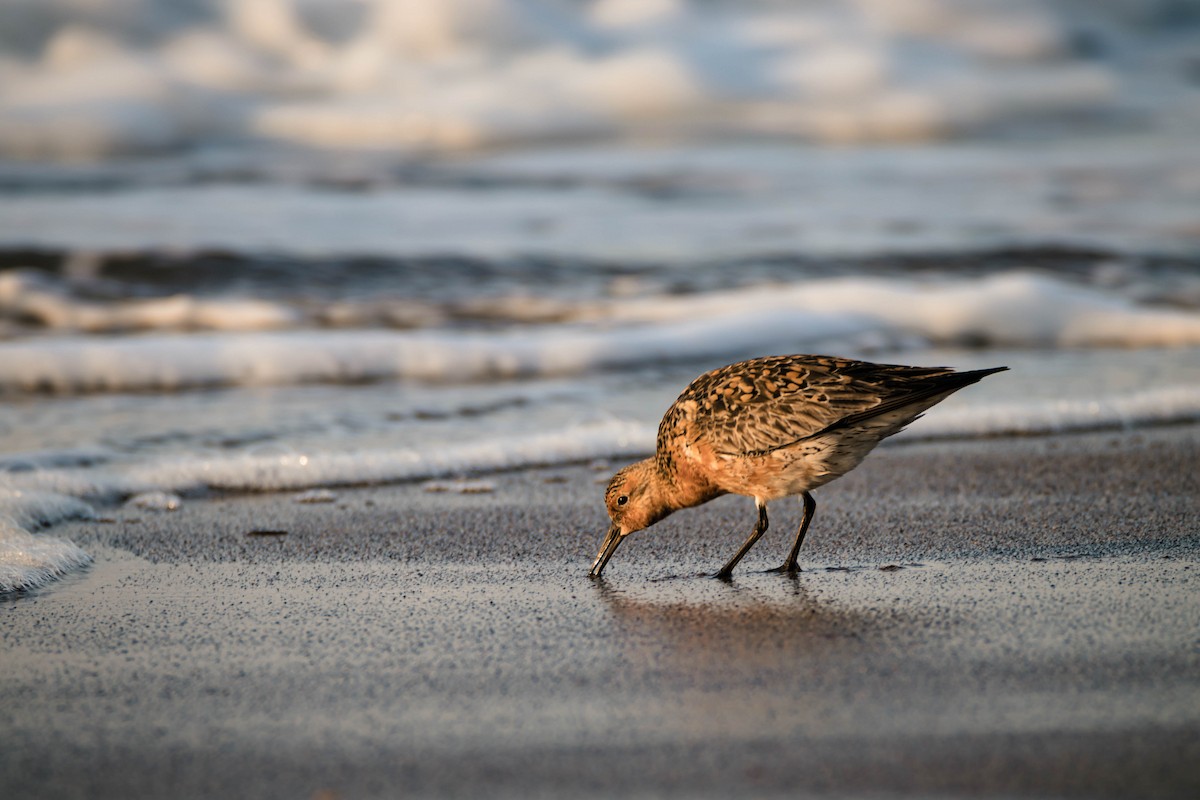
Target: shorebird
x: 769, y: 428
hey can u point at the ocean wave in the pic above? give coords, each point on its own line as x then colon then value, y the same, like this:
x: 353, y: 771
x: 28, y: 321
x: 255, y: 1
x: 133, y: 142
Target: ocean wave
x: 1165, y: 405
x: 170, y: 363
x: 1018, y: 309
x: 250, y: 472
x: 469, y: 73
x: 92, y: 292
x: 1014, y: 309
x: 53, y: 487
x: 30, y: 298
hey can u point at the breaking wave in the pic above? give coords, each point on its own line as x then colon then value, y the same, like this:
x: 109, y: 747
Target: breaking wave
x: 89, y: 80
x: 1023, y: 310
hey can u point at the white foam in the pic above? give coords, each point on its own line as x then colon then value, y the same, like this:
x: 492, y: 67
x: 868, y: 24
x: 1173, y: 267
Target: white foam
x: 462, y: 73
x: 459, y: 487
x: 1023, y: 309
x: 313, y: 496
x: 26, y: 296
x: 35, y: 509
x: 300, y: 471
x: 156, y: 501
x: 1039, y: 415
x: 168, y: 476
x: 163, y: 363
x: 28, y: 560
x: 1013, y: 309
x: 1019, y: 309
x: 45, y: 496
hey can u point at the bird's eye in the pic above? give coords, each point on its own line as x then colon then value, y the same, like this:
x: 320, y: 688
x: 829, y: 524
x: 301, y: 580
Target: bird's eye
x: 623, y: 499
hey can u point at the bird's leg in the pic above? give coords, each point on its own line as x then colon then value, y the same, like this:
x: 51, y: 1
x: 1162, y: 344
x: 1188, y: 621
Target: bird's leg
x: 792, y: 565
x: 759, y: 529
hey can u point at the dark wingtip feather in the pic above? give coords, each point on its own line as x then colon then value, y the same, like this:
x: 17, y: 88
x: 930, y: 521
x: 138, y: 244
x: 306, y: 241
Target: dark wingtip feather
x: 975, y: 375
x: 953, y: 381
x: 926, y: 387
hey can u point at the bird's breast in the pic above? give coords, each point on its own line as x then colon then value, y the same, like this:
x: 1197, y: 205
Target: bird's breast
x: 770, y: 476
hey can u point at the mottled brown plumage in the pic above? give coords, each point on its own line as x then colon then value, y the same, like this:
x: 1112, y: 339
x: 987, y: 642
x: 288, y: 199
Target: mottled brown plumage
x: 768, y: 428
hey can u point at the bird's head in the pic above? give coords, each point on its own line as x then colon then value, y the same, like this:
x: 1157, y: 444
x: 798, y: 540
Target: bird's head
x: 635, y: 500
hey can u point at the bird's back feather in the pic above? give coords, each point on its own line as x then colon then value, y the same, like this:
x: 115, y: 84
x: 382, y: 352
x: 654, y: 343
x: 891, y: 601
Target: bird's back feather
x: 761, y: 405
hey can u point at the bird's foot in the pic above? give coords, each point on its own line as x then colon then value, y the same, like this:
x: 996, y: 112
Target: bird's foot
x: 724, y: 575
x: 786, y: 569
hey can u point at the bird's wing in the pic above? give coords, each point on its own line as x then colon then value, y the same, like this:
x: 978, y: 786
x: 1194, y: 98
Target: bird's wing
x: 762, y: 405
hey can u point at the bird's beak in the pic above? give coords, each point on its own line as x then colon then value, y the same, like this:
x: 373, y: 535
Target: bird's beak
x: 611, y: 541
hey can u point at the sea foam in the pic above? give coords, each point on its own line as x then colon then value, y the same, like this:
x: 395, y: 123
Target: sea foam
x: 464, y: 73
x: 29, y: 560
x: 297, y: 471
x: 165, y: 476
x: 27, y: 296
x: 1018, y: 309
x: 1013, y: 309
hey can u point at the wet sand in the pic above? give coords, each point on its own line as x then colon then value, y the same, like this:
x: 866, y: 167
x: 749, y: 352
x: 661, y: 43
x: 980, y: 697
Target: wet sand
x: 996, y: 618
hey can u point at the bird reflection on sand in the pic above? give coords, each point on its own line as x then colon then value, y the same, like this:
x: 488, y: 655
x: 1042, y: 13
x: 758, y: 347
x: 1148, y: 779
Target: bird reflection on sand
x: 734, y: 632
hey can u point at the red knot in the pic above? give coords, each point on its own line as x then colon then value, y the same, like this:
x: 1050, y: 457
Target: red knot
x: 769, y: 428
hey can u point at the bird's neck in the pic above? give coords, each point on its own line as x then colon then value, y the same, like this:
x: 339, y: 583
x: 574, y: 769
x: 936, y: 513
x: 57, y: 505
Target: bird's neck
x: 678, y: 487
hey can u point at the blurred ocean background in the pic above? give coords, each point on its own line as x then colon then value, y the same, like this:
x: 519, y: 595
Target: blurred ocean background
x: 287, y: 245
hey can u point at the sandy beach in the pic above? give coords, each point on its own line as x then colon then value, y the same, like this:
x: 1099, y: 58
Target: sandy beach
x: 323, y: 326
x: 1009, y: 617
